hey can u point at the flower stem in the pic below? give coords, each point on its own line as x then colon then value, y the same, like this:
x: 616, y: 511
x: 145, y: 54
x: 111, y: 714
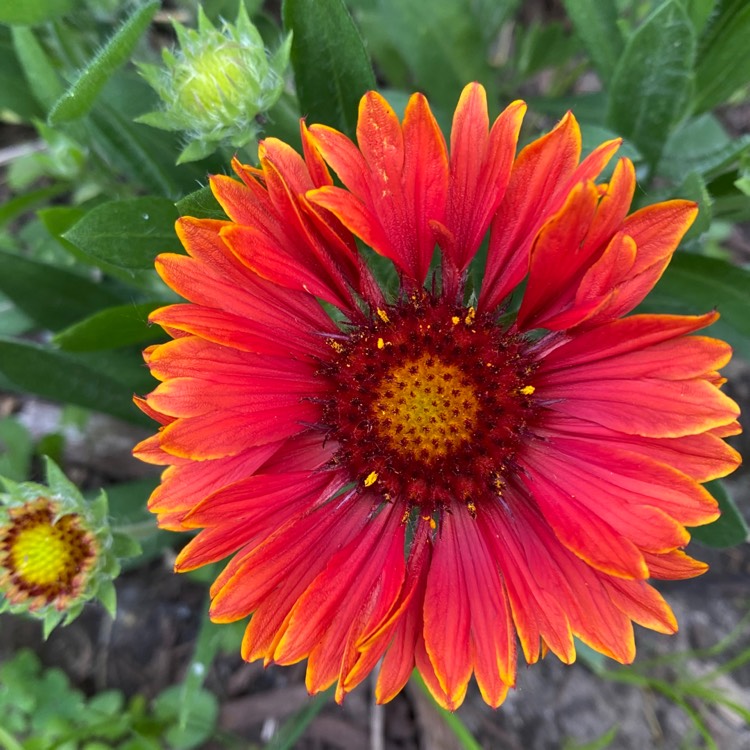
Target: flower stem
x: 463, y: 735
x: 7, y: 742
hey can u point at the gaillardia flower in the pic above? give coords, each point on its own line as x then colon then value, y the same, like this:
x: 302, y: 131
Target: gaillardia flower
x: 428, y: 471
x: 57, y: 550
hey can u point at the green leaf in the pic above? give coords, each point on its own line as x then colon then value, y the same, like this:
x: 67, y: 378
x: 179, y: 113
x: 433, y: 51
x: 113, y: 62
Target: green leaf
x: 52, y: 296
x: 548, y: 45
x: 595, y: 23
x: 59, y: 219
x: 724, y: 56
x: 145, y: 155
x: 652, y: 83
x: 693, y: 188
x: 114, y: 327
x: 294, y: 727
x: 490, y: 15
x: 32, y: 12
x: 80, y: 97
x: 95, y: 383
x: 201, y: 204
x: 15, y: 96
x: 700, y: 11
x: 331, y: 67
x: 694, y: 284
x: 13, y: 322
x: 729, y: 529
x: 701, y: 145
x: 203, y: 713
x: 129, y: 233
x: 38, y: 70
x: 600, y: 743
x: 440, y: 43
x: 16, y: 450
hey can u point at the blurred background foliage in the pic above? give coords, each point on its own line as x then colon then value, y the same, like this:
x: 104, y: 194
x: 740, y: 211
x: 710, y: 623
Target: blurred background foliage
x: 91, y: 185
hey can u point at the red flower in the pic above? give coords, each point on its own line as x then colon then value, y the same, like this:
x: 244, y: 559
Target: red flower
x: 537, y: 467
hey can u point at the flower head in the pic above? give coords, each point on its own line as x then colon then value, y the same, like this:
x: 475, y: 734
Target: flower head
x: 56, y: 550
x: 428, y: 474
x: 216, y: 84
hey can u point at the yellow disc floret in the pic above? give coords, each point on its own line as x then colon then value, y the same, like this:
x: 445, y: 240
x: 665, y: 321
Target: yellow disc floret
x: 41, y: 555
x: 425, y: 407
x: 44, y: 559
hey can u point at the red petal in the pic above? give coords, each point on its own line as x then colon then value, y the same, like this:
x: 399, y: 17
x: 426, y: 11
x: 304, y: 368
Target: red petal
x: 674, y: 565
x: 183, y: 486
x: 531, y: 586
x: 542, y: 176
x: 219, y: 435
x: 643, y: 604
x: 405, y: 624
x: 492, y: 634
x: 290, y: 558
x: 650, y: 407
x: 702, y: 457
x: 656, y: 230
x: 447, y: 614
x: 557, y: 257
x: 586, y: 534
x: 480, y: 167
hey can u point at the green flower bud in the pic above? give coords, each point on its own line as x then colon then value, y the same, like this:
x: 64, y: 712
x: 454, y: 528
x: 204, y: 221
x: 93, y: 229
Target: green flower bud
x: 216, y: 84
x: 57, y: 550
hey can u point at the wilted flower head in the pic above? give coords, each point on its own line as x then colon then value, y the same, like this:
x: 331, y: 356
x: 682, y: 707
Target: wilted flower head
x: 216, y: 83
x: 57, y: 550
x: 430, y: 474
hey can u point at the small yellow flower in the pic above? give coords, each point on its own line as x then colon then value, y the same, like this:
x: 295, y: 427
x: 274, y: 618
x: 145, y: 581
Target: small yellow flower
x: 57, y: 550
x: 45, y: 558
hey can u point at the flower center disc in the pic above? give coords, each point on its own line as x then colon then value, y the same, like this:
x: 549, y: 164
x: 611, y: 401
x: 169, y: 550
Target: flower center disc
x: 429, y: 404
x: 426, y: 407
x: 45, y: 559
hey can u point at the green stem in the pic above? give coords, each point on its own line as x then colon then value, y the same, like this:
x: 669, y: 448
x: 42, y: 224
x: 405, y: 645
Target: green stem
x: 463, y: 735
x: 8, y: 742
x: 139, y: 531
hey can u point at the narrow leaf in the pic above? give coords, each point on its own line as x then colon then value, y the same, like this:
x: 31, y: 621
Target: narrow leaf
x: 80, y: 97
x: 129, y: 233
x: 32, y: 12
x: 724, y: 58
x: 294, y: 727
x: 652, y: 83
x: 14, y: 92
x: 112, y: 328
x: 40, y: 74
x: 729, y: 529
x: 462, y: 733
x: 331, y: 67
x: 26, y: 201
x: 16, y: 450
x: 595, y: 23
x: 145, y: 156
x: 87, y: 382
x: 53, y: 297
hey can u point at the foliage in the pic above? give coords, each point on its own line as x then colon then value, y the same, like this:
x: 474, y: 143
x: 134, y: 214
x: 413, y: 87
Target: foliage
x: 39, y: 709
x: 109, y: 167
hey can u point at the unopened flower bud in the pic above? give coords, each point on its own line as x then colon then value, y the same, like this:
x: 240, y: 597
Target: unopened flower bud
x: 216, y: 84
